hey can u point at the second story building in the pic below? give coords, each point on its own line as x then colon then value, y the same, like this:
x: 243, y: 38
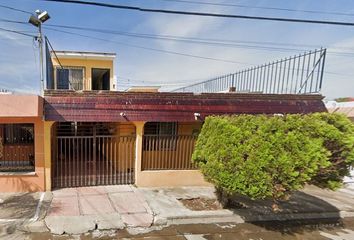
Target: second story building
x: 83, y: 71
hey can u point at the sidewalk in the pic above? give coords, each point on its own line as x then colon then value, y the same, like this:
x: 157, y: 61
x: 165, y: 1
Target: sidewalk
x: 85, y: 209
x: 79, y: 210
x: 311, y: 203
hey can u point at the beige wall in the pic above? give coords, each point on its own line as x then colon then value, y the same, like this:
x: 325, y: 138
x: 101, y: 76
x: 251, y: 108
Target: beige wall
x: 125, y: 129
x: 171, y: 178
x: 87, y: 64
x: 29, y: 182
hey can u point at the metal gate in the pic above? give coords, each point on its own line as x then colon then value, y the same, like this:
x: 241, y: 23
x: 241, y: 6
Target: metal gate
x: 93, y: 160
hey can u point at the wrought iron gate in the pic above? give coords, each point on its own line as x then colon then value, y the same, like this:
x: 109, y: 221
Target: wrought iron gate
x: 93, y: 160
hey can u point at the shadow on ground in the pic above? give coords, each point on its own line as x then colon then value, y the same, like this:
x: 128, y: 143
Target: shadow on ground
x: 21, y: 205
x: 301, y: 210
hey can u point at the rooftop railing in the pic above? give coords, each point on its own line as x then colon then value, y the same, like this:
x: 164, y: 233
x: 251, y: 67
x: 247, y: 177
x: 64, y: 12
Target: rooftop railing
x: 299, y: 74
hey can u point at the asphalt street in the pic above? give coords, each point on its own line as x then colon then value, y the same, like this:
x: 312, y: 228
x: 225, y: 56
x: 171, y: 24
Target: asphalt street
x: 327, y: 229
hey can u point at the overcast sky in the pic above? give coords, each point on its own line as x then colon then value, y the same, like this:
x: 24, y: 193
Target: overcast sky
x: 19, y: 64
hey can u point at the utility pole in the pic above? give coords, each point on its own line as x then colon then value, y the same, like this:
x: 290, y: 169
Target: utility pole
x: 40, y: 41
x: 37, y: 20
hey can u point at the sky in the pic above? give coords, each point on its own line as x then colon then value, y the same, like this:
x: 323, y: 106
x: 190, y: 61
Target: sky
x: 19, y: 58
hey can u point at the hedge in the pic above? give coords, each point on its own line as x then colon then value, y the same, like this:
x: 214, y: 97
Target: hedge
x: 270, y: 156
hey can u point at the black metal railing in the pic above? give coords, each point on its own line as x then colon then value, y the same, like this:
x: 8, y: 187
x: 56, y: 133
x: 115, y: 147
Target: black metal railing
x: 299, y: 74
x: 93, y: 160
x: 168, y: 152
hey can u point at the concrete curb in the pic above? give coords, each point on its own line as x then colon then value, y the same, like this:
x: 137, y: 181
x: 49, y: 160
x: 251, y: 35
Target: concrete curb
x: 235, y: 218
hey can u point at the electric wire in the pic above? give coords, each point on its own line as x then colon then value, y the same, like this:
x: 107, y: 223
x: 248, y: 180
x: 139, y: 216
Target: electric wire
x: 17, y: 32
x: 205, y: 41
x: 15, y: 9
x: 260, y: 7
x: 204, y: 14
x: 149, y: 48
x: 211, y: 42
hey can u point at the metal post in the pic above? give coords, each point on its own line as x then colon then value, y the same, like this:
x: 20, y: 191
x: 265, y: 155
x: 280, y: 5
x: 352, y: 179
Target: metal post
x: 40, y: 41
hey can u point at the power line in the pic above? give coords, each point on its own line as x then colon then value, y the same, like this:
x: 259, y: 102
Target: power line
x: 213, y: 42
x: 205, y: 41
x: 176, y: 38
x: 148, y: 48
x: 172, y: 37
x: 259, y: 7
x: 205, y: 14
x: 15, y: 9
x: 13, y: 21
x: 127, y: 79
x: 17, y: 32
x: 133, y: 81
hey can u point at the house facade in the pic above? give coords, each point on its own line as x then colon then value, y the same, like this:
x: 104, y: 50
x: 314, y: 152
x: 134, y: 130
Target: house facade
x: 85, y: 133
x: 22, y: 143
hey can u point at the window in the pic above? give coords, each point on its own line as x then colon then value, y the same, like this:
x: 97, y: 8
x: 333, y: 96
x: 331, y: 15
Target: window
x: 160, y: 136
x: 70, y: 78
x: 86, y: 129
x: 100, y: 79
x: 17, y: 147
x: 18, y: 134
x: 160, y: 128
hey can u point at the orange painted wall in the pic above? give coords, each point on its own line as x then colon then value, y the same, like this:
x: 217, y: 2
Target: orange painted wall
x: 17, y: 182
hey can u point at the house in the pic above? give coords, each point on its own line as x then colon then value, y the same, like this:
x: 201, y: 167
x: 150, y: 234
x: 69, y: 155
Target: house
x: 21, y: 143
x: 346, y: 108
x: 91, y: 134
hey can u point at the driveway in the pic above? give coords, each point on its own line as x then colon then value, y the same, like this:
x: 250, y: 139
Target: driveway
x: 78, y: 210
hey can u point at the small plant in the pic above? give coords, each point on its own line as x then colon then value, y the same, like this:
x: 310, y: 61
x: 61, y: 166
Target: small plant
x: 269, y: 157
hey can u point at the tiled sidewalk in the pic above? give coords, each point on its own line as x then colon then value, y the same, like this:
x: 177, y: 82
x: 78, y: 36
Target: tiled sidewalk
x: 122, y: 201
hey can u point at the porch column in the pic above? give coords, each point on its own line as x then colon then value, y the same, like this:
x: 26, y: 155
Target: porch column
x: 47, y: 154
x: 139, y: 126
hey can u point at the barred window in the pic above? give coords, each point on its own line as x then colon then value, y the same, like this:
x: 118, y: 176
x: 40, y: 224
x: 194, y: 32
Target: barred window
x: 160, y: 128
x: 18, y: 133
x: 160, y: 136
x: 17, y: 148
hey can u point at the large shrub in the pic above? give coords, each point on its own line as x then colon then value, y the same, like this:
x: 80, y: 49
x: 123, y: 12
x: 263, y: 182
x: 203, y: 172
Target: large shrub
x: 337, y: 133
x: 268, y: 157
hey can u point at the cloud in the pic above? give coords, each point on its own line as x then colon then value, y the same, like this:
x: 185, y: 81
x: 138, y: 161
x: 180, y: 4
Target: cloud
x: 339, y: 75
x: 15, y: 39
x: 18, y: 63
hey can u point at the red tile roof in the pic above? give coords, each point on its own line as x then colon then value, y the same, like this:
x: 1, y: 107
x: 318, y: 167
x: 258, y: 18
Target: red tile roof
x: 108, y: 106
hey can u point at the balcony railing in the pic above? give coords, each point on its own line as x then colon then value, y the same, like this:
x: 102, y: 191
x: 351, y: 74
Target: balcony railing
x: 300, y: 74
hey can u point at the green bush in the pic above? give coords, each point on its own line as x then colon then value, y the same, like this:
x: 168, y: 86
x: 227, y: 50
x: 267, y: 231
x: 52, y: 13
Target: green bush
x: 268, y: 157
x: 337, y: 133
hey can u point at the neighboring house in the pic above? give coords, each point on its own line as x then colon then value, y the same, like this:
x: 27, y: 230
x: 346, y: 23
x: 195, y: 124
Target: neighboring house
x: 346, y: 108
x: 91, y: 134
x: 21, y: 143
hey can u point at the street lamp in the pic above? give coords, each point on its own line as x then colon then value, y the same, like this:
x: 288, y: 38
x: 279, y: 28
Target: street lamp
x: 37, y: 20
